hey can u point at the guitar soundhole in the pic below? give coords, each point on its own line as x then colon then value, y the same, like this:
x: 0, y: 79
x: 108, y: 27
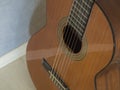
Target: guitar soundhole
x: 72, y: 39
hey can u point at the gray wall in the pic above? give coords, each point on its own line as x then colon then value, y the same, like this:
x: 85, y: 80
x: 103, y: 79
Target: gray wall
x: 19, y: 19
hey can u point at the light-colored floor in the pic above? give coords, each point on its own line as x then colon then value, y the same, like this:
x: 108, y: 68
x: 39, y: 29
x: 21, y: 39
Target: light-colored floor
x: 15, y: 76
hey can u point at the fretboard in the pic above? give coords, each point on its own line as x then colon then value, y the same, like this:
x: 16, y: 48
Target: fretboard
x: 79, y: 15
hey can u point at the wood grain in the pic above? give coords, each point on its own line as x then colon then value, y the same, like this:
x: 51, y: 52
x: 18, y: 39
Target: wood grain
x: 109, y: 79
x: 81, y: 74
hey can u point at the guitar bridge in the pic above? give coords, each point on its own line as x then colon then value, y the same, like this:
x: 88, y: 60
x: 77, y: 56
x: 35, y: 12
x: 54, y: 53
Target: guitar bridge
x: 54, y: 76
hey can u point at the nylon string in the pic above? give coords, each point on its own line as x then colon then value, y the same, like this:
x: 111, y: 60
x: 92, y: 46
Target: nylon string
x: 62, y: 65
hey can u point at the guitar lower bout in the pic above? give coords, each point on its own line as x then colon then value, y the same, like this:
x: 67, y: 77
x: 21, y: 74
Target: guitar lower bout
x: 89, y: 56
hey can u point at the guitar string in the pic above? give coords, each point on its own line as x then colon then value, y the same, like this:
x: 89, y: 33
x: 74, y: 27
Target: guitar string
x: 93, y: 20
x: 67, y: 40
x: 59, y: 58
x: 68, y: 55
x: 88, y: 18
x: 61, y: 64
x: 65, y: 58
x: 73, y: 46
x: 76, y: 40
x: 56, y: 59
x: 58, y: 55
x: 71, y: 76
x: 71, y: 53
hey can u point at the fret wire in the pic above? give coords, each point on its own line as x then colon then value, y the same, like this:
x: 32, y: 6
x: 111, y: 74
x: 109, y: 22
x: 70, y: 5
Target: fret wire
x: 79, y: 15
x: 90, y: 1
x: 80, y: 18
x: 77, y: 27
x: 80, y: 6
x: 78, y: 11
x: 84, y: 3
x: 77, y: 23
x: 81, y: 12
x: 80, y: 33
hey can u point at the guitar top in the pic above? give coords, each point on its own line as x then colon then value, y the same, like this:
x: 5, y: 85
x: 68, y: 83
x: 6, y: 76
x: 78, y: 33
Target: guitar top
x: 78, y: 42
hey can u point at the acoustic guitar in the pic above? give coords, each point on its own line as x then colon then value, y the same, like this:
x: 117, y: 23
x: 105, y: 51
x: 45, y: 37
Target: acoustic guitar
x: 76, y: 44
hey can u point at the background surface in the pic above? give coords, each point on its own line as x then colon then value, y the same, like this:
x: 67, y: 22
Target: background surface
x: 19, y: 20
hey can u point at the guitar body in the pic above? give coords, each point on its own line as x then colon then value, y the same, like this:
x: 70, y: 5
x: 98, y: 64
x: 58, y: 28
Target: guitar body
x: 109, y: 78
x: 80, y: 73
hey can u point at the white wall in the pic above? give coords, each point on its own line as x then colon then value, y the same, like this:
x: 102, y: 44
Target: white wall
x: 15, y: 22
x: 18, y: 21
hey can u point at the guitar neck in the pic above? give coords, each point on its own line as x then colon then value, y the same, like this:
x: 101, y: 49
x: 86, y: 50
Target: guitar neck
x: 79, y: 15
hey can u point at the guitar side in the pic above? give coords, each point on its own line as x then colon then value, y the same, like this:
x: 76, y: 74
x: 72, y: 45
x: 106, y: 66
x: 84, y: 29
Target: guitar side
x: 81, y: 74
x: 109, y: 79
